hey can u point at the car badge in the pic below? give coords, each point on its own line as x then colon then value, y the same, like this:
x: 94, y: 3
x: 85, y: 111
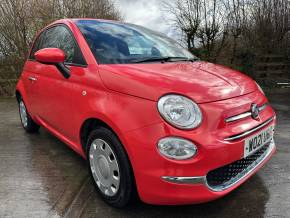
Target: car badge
x: 255, y: 111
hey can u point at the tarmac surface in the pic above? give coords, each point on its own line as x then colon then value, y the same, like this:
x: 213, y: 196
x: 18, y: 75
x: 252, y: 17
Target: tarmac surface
x: 41, y: 177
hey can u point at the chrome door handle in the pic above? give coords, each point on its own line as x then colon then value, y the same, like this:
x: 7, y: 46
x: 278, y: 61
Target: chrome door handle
x: 31, y: 78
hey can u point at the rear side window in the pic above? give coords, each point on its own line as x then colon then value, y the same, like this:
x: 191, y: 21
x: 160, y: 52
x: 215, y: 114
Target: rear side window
x: 60, y: 37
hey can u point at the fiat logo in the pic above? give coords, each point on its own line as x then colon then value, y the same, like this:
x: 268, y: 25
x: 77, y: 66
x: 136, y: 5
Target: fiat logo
x: 255, y: 111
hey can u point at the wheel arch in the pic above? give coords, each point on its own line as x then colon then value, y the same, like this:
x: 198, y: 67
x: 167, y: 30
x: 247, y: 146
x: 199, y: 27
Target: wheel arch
x: 18, y: 95
x: 87, y: 126
x: 20, y: 92
x: 92, y: 123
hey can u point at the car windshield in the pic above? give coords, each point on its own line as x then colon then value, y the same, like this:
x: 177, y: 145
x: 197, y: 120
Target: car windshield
x: 120, y: 43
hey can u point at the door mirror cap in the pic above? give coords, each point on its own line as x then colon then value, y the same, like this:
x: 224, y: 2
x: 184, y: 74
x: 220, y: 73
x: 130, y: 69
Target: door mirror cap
x: 53, y: 56
x: 50, y: 56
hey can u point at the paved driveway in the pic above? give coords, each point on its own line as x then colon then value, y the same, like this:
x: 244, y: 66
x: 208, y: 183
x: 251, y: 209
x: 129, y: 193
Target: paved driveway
x: 41, y: 177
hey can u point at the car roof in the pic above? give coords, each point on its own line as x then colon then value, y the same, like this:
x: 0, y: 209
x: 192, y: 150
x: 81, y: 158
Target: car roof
x: 73, y: 20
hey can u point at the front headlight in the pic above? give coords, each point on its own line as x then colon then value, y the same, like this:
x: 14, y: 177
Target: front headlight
x: 179, y: 111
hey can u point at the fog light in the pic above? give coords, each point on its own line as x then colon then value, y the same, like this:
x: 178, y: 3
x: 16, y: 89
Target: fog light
x: 176, y: 148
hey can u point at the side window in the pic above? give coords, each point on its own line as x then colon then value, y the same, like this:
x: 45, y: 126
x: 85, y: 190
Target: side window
x: 36, y: 45
x: 60, y: 37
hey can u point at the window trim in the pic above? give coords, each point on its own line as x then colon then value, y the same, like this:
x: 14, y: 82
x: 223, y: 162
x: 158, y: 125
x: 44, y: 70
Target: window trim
x: 74, y: 39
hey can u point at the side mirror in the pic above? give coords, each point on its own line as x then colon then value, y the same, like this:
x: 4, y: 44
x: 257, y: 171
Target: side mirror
x: 53, y: 56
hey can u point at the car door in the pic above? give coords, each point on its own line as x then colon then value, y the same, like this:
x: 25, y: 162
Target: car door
x: 29, y: 77
x: 53, y: 97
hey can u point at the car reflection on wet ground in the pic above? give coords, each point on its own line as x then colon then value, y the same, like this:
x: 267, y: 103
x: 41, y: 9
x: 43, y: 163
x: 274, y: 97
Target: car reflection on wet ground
x: 41, y: 177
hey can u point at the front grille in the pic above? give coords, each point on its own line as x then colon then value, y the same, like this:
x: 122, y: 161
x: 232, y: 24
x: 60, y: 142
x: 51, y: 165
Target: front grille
x: 223, y: 177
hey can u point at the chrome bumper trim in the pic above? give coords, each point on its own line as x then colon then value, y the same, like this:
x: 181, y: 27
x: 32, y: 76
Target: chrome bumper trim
x: 245, y: 114
x: 246, y: 172
x: 185, y: 180
x: 248, y: 132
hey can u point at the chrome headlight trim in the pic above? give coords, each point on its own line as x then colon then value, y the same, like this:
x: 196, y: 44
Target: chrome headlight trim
x: 190, y: 113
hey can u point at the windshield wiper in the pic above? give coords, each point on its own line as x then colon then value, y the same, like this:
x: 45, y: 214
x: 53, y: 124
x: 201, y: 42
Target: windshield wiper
x: 163, y: 59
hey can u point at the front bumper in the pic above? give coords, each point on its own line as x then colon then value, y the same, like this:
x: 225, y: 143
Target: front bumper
x: 234, y: 179
x: 170, y: 182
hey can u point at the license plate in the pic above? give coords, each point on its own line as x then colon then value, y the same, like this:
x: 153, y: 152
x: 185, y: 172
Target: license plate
x: 257, y: 141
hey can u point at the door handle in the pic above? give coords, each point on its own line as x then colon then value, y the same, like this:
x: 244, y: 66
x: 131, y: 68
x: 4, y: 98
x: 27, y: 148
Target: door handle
x: 31, y: 78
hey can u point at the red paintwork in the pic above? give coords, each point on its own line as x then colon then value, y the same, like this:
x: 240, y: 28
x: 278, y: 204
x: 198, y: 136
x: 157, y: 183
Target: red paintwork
x: 50, y: 55
x: 125, y: 98
x: 190, y: 79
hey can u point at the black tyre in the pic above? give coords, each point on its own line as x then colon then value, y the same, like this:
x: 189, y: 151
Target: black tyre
x: 110, y: 168
x: 28, y: 124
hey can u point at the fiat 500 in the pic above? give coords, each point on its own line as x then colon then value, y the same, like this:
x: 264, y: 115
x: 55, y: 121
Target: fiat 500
x: 150, y: 118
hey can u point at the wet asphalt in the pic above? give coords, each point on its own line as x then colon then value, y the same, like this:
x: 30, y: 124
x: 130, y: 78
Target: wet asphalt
x: 41, y: 177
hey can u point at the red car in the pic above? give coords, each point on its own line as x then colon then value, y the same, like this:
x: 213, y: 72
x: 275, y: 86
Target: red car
x: 151, y: 119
